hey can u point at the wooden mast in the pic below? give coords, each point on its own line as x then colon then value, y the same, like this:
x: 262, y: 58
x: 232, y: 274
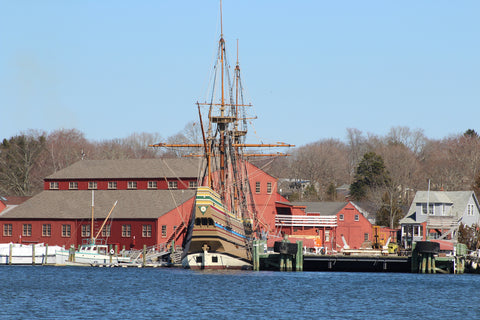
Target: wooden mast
x: 230, y: 132
x: 92, y: 238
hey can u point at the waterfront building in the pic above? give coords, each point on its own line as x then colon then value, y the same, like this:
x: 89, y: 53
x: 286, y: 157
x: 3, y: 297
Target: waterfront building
x: 446, y: 211
x: 327, y: 225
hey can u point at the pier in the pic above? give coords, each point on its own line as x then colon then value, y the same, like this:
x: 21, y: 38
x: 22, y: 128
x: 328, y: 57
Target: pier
x: 358, y: 263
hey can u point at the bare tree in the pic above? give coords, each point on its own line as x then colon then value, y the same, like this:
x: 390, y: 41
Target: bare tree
x: 323, y: 163
x: 414, y: 140
x: 357, y: 147
x: 139, y: 145
x: 18, y: 162
x: 65, y: 147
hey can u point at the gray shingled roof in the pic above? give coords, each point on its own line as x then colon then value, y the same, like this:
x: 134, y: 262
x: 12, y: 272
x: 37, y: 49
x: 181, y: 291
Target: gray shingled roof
x: 324, y: 208
x: 132, y: 204
x: 130, y: 168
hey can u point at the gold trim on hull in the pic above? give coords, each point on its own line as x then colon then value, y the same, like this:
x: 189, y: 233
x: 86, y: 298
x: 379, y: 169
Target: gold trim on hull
x: 218, y: 237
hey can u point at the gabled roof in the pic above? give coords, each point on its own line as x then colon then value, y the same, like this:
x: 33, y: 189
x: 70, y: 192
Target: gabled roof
x: 130, y: 168
x: 436, y: 196
x: 132, y: 204
x: 323, y: 208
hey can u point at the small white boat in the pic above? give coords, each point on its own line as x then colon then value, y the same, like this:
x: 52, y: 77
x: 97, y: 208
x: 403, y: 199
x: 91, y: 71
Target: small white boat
x: 17, y: 253
x: 91, y: 254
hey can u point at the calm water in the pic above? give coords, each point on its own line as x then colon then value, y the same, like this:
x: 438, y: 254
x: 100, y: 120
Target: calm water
x: 117, y: 293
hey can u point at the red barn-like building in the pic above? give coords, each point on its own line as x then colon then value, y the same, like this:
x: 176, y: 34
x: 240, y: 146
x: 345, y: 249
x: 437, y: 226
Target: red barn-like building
x: 155, y: 199
x: 326, y: 224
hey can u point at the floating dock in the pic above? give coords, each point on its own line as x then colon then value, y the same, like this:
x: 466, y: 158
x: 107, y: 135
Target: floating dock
x: 357, y: 263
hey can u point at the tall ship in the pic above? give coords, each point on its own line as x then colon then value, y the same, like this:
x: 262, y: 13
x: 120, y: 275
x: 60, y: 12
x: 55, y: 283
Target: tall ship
x: 223, y: 221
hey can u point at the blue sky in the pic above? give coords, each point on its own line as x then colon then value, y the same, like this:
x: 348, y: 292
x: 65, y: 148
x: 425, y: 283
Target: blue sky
x: 312, y: 69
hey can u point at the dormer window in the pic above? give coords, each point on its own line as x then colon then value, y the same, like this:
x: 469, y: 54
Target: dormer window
x: 92, y: 185
x: 431, y: 210
x: 172, y: 184
x: 132, y: 185
x: 73, y: 185
x: 112, y: 185
x: 53, y: 185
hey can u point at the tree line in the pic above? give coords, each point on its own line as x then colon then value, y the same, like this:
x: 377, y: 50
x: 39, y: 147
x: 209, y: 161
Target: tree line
x: 382, y: 172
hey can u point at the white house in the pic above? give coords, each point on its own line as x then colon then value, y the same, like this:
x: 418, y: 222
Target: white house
x: 446, y: 211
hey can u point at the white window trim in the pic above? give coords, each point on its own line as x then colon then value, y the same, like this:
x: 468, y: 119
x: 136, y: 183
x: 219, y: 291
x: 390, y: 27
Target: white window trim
x: 152, y: 185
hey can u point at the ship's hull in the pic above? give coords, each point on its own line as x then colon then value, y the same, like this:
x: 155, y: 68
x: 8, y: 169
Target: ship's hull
x: 89, y: 254
x: 217, y: 239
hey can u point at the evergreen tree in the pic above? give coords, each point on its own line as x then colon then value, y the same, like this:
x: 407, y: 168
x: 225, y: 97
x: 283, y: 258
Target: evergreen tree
x: 371, y: 174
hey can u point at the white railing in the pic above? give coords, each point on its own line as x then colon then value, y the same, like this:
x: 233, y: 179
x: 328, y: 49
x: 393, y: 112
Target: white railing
x: 305, y: 221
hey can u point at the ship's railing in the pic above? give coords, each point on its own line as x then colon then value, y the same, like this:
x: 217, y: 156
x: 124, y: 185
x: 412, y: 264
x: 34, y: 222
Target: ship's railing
x: 151, y: 252
x: 305, y: 221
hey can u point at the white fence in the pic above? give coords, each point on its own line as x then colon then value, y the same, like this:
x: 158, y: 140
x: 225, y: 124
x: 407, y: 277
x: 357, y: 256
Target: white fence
x: 305, y: 221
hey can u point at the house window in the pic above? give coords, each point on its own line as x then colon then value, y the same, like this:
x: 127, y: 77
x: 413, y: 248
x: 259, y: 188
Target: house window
x: 7, y: 230
x: 152, y: 184
x: 132, y: 185
x: 192, y: 184
x: 327, y: 235
x: 431, y: 210
x: 340, y: 217
x: 470, y: 209
x: 257, y: 187
x: 46, y: 230
x: 27, y: 230
x: 269, y: 187
x: 417, y: 231
x: 92, y: 185
x: 357, y: 217
x: 146, y: 230
x: 174, y: 229
x: 126, y: 230
x: 66, y: 230
x: 106, y: 231
x: 164, y: 230
x: 172, y: 184
x: 85, y: 230
x: 365, y: 237
x: 112, y: 185
x: 53, y: 185
x: 73, y: 185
